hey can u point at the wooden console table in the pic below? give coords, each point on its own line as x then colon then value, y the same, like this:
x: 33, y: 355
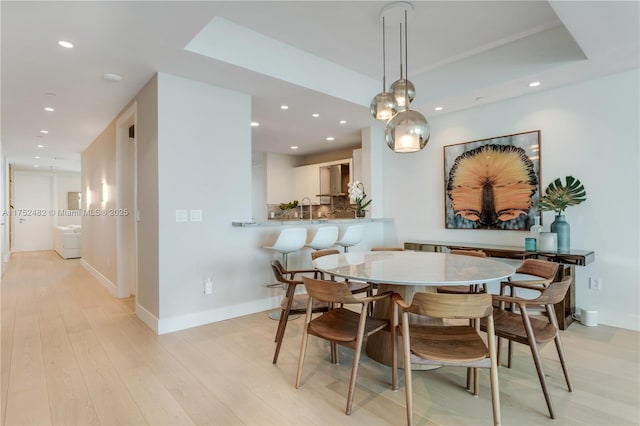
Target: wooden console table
x: 564, y: 309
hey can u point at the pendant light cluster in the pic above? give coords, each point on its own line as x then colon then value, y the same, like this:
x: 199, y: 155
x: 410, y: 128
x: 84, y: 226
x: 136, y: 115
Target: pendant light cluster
x: 406, y: 130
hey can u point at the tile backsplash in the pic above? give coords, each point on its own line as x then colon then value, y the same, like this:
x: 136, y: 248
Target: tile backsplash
x: 339, y: 208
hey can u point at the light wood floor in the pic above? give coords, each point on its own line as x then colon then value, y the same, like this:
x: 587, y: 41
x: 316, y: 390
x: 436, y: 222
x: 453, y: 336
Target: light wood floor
x: 72, y: 354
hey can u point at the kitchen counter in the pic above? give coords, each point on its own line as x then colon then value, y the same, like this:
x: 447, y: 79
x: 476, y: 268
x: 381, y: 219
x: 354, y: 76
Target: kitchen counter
x: 298, y: 222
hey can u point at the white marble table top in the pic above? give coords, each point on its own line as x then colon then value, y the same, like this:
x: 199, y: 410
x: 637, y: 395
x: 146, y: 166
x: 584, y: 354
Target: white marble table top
x: 413, y: 268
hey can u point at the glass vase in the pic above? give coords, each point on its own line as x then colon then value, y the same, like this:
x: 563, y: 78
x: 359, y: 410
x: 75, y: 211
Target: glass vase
x: 561, y: 227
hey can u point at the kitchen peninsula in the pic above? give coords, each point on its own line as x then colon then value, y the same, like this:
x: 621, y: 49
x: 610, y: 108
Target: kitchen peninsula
x: 299, y: 222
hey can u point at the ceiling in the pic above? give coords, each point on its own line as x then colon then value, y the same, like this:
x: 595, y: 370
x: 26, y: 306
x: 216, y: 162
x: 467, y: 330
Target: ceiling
x: 317, y: 57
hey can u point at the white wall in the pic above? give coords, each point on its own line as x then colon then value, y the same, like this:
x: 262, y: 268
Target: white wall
x: 588, y: 130
x: 204, y: 163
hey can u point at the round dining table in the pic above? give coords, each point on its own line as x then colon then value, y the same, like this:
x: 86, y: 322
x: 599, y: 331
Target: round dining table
x: 408, y: 272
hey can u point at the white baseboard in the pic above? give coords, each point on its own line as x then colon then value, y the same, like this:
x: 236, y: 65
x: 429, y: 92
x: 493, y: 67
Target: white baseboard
x: 620, y: 320
x: 147, y: 317
x: 183, y: 322
x: 111, y: 287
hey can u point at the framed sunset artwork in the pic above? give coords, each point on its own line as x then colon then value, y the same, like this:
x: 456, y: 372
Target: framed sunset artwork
x: 493, y: 183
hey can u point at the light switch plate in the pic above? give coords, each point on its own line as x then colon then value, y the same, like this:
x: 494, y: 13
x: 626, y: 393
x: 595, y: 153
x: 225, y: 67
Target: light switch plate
x: 182, y: 216
x: 196, y: 215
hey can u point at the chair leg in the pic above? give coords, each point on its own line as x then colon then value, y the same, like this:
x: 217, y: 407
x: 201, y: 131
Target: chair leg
x: 282, y: 325
x: 407, y: 368
x: 563, y: 362
x: 476, y: 380
x: 538, y: 362
x: 356, y: 359
x: 493, y: 372
x: 335, y: 353
x: 394, y: 346
x: 510, y: 354
x: 554, y: 321
x: 469, y: 378
x: 303, y: 344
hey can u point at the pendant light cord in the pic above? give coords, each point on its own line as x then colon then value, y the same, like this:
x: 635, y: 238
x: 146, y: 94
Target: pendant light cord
x: 384, y: 61
x: 400, y: 38
x: 406, y: 62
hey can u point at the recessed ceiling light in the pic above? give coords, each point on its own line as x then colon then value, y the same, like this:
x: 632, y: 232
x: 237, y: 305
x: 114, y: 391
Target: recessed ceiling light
x: 40, y: 146
x: 35, y: 165
x: 343, y: 121
x: 315, y: 115
x: 112, y: 77
x: 293, y: 147
x: 254, y: 124
x: 37, y: 157
x: 44, y: 131
x: 438, y: 108
x: 49, y: 109
x: 284, y: 106
x: 66, y: 44
x: 534, y: 84
x: 331, y: 138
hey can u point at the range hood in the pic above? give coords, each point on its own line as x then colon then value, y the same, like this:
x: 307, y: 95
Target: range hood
x: 334, y: 180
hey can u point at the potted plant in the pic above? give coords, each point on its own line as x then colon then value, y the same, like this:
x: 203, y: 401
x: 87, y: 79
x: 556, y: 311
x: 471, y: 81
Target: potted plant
x: 286, y: 208
x: 359, y: 197
x: 557, y: 197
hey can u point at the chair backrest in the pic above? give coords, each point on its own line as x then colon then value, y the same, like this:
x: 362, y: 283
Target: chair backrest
x: 352, y: 236
x: 278, y: 271
x: 453, y: 306
x: 387, y: 249
x: 539, y: 268
x: 325, y: 236
x: 555, y: 292
x: 476, y: 253
x: 290, y: 239
x: 329, y: 291
x: 320, y: 253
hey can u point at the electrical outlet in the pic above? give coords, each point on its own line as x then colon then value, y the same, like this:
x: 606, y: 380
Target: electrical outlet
x: 208, y: 286
x: 595, y: 283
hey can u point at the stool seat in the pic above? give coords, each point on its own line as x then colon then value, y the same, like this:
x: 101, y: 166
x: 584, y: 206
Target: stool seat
x: 352, y: 236
x: 289, y: 240
x: 324, y: 238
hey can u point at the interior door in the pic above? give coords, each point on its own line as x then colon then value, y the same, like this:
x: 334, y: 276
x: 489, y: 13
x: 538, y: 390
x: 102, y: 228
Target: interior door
x: 32, y: 216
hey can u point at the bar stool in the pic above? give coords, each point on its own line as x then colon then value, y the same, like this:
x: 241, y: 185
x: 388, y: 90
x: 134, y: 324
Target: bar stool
x: 289, y: 240
x: 352, y: 236
x: 324, y: 238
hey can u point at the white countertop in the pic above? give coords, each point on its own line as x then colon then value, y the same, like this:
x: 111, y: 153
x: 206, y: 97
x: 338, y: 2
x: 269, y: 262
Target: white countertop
x: 245, y: 224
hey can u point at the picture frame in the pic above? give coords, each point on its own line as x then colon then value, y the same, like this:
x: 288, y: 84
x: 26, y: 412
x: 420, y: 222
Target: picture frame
x: 493, y: 183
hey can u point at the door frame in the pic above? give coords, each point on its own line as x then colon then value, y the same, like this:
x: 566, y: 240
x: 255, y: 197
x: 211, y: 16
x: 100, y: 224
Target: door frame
x: 126, y: 120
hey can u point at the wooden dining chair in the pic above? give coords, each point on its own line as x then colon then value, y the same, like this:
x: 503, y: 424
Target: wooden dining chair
x: 532, y: 274
x: 291, y: 304
x: 340, y: 325
x: 446, y: 345
x: 534, y: 332
x: 464, y: 289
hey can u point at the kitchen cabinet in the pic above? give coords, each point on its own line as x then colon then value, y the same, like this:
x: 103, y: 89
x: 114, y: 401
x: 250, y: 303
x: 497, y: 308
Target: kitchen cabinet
x: 306, y: 183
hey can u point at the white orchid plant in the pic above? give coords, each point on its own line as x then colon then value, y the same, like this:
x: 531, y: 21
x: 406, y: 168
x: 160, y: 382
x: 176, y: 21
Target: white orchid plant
x: 358, y: 196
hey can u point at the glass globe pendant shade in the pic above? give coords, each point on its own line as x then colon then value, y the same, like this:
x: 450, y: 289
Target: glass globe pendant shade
x: 400, y: 89
x: 408, y: 131
x: 383, y: 106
